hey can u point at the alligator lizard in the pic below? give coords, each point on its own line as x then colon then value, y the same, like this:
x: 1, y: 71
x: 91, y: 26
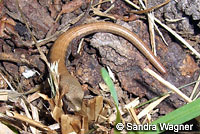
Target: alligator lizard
x: 59, y: 49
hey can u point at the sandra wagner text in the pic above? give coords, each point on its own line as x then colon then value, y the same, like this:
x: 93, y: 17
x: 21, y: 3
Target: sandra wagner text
x: 162, y: 126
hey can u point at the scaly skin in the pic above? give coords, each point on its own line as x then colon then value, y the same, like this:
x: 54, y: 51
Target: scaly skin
x: 58, y: 53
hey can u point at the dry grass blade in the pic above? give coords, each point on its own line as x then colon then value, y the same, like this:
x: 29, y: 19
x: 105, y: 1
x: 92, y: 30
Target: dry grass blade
x: 31, y: 122
x: 148, y: 118
x: 195, y: 88
x: 178, y: 37
x: 5, y: 130
x: 130, y: 107
x: 96, y: 9
x: 35, y: 116
x: 80, y: 45
x: 132, y: 4
x: 134, y: 116
x: 161, y: 35
x: 112, y: 6
x: 152, y: 32
x: 33, y: 129
x: 98, y: 12
x: 197, y: 96
x: 171, y: 31
x: 6, y: 95
x: 169, y: 85
x: 174, y: 20
x: 7, y: 82
x: 111, y: 74
x: 133, y: 103
x: 3, y: 96
x: 54, y: 78
x: 151, y: 27
x: 151, y: 106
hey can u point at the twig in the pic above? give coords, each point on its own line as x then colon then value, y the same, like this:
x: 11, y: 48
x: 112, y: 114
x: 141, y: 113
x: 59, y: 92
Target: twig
x: 31, y: 122
x: 85, y: 15
x: 58, y: 33
x: 169, y: 85
x: 13, y: 58
x: 43, y: 57
x: 151, y: 9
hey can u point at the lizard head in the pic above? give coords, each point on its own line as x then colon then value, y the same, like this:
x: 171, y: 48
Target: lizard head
x: 73, y: 92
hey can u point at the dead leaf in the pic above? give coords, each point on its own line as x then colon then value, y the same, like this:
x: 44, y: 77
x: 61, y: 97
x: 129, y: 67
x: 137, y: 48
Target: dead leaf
x: 70, y: 123
x: 71, y: 6
x: 93, y: 108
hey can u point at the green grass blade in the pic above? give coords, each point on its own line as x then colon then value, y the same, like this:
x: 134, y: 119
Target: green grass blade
x: 118, y: 120
x: 178, y: 116
x: 110, y: 85
x: 182, y: 114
